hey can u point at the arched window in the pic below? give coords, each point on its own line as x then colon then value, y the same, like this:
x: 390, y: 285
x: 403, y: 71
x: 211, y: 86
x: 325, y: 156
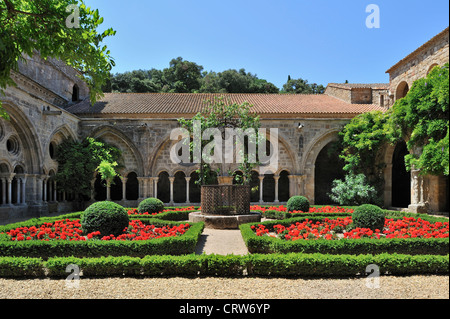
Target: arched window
x: 402, y: 90
x: 75, y: 93
x: 432, y: 67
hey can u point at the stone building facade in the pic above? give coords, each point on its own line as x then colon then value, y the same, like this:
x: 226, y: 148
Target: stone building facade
x: 50, y: 104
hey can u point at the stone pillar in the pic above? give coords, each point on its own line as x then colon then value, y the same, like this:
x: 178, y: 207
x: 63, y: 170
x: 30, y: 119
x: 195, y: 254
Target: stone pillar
x: 261, y: 189
x: 172, y: 180
x: 388, y: 186
x: 44, y: 192
x: 416, y: 191
x: 277, y: 183
x: 124, y: 188
x: 141, y: 181
x: 155, y: 187
x: 9, y: 197
x: 93, y: 189
x: 24, y: 189
x: 18, y: 191
x: 55, y: 192
x: 188, y: 180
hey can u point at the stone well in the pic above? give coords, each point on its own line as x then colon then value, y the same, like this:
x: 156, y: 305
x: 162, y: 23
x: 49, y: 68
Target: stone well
x: 225, y: 207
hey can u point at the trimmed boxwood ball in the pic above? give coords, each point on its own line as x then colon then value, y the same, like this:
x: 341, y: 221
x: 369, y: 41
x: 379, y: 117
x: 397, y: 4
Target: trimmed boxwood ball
x: 151, y: 206
x: 298, y: 203
x: 369, y: 216
x: 106, y: 217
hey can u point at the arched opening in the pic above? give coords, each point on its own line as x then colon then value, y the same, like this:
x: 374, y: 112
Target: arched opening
x: 116, y: 189
x: 132, y: 187
x: 179, y: 188
x: 164, y: 187
x: 100, y: 189
x: 401, y: 178
x: 402, y: 90
x: 194, y: 189
x: 269, y: 188
x: 283, y: 186
x: 75, y: 93
x: 328, y: 168
x: 432, y: 67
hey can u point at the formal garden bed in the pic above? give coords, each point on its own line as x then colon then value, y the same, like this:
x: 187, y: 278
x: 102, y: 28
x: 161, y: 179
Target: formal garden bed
x: 321, y: 242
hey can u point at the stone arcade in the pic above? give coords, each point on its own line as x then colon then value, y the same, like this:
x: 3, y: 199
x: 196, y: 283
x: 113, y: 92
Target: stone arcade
x: 50, y: 104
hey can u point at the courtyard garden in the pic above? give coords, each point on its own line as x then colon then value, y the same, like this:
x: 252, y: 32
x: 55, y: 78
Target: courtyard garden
x: 108, y: 240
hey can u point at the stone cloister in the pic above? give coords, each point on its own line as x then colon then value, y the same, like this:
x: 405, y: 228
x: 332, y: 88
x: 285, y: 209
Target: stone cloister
x: 50, y: 104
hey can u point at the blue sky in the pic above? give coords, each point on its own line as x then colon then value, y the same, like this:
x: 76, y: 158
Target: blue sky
x: 322, y: 41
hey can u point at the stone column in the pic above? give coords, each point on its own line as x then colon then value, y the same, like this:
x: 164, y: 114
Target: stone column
x: 124, y: 188
x: 55, y: 192
x: 172, y: 180
x: 277, y: 183
x: 141, y: 181
x: 18, y: 191
x: 261, y: 189
x: 93, y: 189
x: 44, y: 192
x: 155, y: 187
x: 9, y: 197
x: 24, y: 189
x: 188, y: 180
x: 416, y: 190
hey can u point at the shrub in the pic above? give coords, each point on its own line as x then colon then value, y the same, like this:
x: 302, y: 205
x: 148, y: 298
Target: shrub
x: 354, y: 191
x: 369, y: 216
x: 298, y: 203
x: 106, y: 217
x: 151, y: 205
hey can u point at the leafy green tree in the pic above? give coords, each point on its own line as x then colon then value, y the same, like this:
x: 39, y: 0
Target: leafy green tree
x: 79, y: 160
x: 54, y: 30
x: 222, y: 114
x: 182, y: 76
x: 422, y: 119
x: 354, y: 190
x: 301, y: 86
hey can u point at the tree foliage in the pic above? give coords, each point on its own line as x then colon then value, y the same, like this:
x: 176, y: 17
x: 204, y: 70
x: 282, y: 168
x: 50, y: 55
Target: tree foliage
x: 79, y: 160
x: 422, y: 119
x: 189, y: 77
x: 301, y: 86
x: 222, y: 114
x: 29, y: 27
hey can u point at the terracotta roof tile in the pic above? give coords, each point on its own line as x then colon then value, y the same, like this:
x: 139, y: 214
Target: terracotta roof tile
x: 164, y: 104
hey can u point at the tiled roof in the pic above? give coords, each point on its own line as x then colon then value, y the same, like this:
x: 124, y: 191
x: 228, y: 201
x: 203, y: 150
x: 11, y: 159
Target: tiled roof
x: 411, y: 55
x: 167, y: 104
x: 374, y: 86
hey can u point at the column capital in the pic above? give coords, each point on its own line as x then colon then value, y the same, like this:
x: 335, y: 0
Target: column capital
x: 172, y: 179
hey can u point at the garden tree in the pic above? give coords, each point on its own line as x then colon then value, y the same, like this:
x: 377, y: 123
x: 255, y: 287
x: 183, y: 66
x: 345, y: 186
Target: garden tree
x: 361, y: 141
x: 54, y: 30
x: 301, y: 86
x: 222, y: 114
x: 422, y: 119
x: 78, y: 161
x: 107, y: 173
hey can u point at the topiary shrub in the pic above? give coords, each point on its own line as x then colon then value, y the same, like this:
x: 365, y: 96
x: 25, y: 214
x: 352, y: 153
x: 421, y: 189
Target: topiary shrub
x: 369, y: 216
x: 298, y: 203
x: 151, y: 206
x: 106, y: 217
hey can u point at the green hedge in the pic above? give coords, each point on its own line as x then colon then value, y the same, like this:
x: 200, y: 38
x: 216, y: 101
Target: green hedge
x: 162, y: 246
x: 275, y: 265
x: 411, y: 246
x: 13, y: 267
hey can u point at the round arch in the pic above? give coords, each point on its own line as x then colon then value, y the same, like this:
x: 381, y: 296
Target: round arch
x: 402, y: 90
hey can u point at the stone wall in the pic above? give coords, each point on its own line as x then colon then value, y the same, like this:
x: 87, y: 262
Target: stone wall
x: 419, y: 63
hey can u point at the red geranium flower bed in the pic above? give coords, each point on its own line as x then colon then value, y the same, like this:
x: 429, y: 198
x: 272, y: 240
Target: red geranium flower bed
x: 71, y: 230
x: 134, y: 212
x: 337, y: 229
x: 312, y: 210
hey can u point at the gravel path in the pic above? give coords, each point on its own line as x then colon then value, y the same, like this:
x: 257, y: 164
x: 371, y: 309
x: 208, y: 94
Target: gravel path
x: 417, y: 287
x: 221, y: 242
